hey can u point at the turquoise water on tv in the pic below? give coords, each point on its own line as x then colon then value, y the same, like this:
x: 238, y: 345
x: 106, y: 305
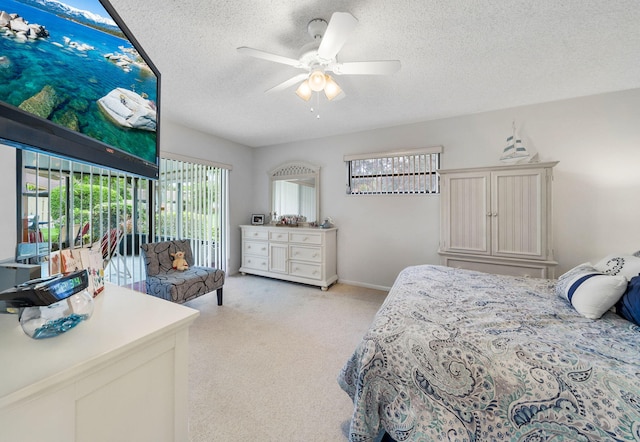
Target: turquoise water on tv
x: 80, y: 77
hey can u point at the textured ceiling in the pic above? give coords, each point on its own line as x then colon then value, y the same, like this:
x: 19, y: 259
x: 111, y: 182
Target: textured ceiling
x: 458, y: 57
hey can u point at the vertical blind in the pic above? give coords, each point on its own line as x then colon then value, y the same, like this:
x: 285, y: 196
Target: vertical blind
x: 66, y: 204
x: 192, y: 203
x: 403, y: 172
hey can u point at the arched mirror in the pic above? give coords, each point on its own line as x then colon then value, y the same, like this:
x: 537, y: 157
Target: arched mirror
x: 295, y: 190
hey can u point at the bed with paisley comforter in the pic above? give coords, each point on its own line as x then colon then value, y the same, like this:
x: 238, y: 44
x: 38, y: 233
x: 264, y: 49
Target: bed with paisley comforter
x: 457, y: 355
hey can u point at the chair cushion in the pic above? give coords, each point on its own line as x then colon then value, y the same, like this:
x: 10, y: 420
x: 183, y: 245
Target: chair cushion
x: 182, y: 286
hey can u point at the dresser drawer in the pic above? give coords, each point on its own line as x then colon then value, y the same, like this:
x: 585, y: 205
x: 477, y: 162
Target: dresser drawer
x: 305, y: 238
x: 313, y: 254
x: 274, y: 235
x: 258, y: 248
x: 255, y: 262
x: 304, y: 270
x: 256, y: 234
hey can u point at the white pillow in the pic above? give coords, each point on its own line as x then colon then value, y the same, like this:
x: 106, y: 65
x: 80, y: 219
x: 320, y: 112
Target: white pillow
x: 589, y: 291
x: 620, y: 264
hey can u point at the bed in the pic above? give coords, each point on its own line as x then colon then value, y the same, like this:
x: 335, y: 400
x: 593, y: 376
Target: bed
x: 458, y: 355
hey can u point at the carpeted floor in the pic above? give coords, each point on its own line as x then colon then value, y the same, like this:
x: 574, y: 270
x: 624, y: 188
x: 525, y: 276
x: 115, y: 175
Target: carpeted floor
x: 263, y: 366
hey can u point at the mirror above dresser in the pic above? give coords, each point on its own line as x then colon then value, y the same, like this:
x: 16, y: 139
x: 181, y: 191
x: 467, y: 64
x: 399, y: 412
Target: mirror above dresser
x: 295, y: 190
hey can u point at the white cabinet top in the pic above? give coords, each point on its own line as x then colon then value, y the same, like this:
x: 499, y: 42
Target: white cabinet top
x: 269, y: 226
x: 548, y: 164
x: 122, y: 319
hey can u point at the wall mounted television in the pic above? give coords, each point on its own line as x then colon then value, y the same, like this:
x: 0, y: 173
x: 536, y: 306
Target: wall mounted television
x: 75, y: 83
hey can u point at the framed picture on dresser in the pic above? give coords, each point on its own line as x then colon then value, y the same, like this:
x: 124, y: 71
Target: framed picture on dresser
x: 257, y: 219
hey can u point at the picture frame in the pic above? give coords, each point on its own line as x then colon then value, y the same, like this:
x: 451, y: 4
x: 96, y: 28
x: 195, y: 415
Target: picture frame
x: 257, y: 219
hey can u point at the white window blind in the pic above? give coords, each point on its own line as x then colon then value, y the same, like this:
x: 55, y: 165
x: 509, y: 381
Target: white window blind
x: 400, y: 172
x: 66, y: 204
x: 191, y: 202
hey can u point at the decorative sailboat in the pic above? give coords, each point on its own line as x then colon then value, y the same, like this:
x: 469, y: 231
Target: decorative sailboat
x: 515, y: 152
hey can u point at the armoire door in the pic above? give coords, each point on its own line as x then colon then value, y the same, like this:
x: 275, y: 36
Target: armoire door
x: 465, y: 220
x: 518, y: 205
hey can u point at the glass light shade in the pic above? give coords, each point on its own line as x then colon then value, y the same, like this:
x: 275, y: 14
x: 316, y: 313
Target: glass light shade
x: 317, y: 80
x: 304, y: 91
x: 331, y: 89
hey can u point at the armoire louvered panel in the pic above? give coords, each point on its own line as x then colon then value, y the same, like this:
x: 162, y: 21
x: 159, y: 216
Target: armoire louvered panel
x: 498, y: 219
x: 468, y: 207
x: 518, y: 200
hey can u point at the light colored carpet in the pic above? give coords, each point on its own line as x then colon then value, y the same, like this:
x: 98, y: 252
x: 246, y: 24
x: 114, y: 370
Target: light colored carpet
x: 263, y: 366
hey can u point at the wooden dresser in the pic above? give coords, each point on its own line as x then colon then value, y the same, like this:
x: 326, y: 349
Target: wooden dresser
x: 298, y: 254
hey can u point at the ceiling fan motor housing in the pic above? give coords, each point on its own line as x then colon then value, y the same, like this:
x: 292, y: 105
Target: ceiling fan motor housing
x: 316, y: 28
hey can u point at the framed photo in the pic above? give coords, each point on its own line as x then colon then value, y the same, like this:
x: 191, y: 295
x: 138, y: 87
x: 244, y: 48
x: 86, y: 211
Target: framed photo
x: 257, y: 219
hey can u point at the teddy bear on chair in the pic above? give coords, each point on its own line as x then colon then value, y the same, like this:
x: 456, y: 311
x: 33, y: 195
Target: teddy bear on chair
x: 179, y: 263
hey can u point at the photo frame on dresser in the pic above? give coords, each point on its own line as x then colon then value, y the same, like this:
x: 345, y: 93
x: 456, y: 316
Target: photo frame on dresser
x: 257, y: 219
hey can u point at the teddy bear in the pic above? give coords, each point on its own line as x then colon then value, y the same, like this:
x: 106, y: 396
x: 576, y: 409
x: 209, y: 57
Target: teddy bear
x: 179, y: 263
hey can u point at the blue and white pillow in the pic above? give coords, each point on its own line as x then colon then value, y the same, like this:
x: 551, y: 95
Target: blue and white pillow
x: 629, y: 305
x: 591, y: 292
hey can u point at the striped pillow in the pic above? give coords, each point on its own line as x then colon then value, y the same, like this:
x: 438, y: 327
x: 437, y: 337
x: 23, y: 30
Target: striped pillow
x: 590, y: 291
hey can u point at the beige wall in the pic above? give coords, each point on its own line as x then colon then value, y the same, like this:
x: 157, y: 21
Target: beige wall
x: 596, y: 139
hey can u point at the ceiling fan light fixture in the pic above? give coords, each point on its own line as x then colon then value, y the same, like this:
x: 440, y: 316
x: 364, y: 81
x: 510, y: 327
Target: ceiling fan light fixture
x: 317, y: 80
x: 304, y: 91
x: 331, y: 89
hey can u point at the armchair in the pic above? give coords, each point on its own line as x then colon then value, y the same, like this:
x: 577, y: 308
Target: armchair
x: 178, y: 285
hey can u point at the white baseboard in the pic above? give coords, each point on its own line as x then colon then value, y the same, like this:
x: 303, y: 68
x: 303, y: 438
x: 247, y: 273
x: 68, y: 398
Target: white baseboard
x: 364, y: 284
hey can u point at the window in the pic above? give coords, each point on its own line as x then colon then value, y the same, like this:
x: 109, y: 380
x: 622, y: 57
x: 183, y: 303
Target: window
x: 66, y: 204
x: 191, y: 203
x: 405, y: 172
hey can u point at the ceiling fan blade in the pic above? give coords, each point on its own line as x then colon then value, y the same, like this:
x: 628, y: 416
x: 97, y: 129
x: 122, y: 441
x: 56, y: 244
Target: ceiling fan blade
x: 290, y: 82
x: 269, y: 56
x: 340, y: 27
x: 384, y: 67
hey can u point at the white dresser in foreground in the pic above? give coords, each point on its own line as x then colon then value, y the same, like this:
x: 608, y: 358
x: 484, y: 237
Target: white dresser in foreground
x: 298, y: 254
x: 120, y: 376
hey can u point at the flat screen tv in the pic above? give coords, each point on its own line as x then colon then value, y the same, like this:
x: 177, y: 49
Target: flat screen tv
x: 75, y: 83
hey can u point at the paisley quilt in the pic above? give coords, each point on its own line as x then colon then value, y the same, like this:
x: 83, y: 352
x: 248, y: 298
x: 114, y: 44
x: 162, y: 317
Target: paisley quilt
x: 457, y: 355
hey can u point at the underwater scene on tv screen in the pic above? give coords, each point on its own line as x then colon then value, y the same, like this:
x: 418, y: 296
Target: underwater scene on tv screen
x: 76, y: 68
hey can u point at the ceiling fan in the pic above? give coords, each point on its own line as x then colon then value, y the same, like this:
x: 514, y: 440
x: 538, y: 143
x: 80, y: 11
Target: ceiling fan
x: 319, y: 57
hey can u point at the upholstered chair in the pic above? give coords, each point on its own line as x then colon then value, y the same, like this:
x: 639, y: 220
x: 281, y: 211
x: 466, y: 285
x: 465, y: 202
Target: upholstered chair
x: 178, y: 286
